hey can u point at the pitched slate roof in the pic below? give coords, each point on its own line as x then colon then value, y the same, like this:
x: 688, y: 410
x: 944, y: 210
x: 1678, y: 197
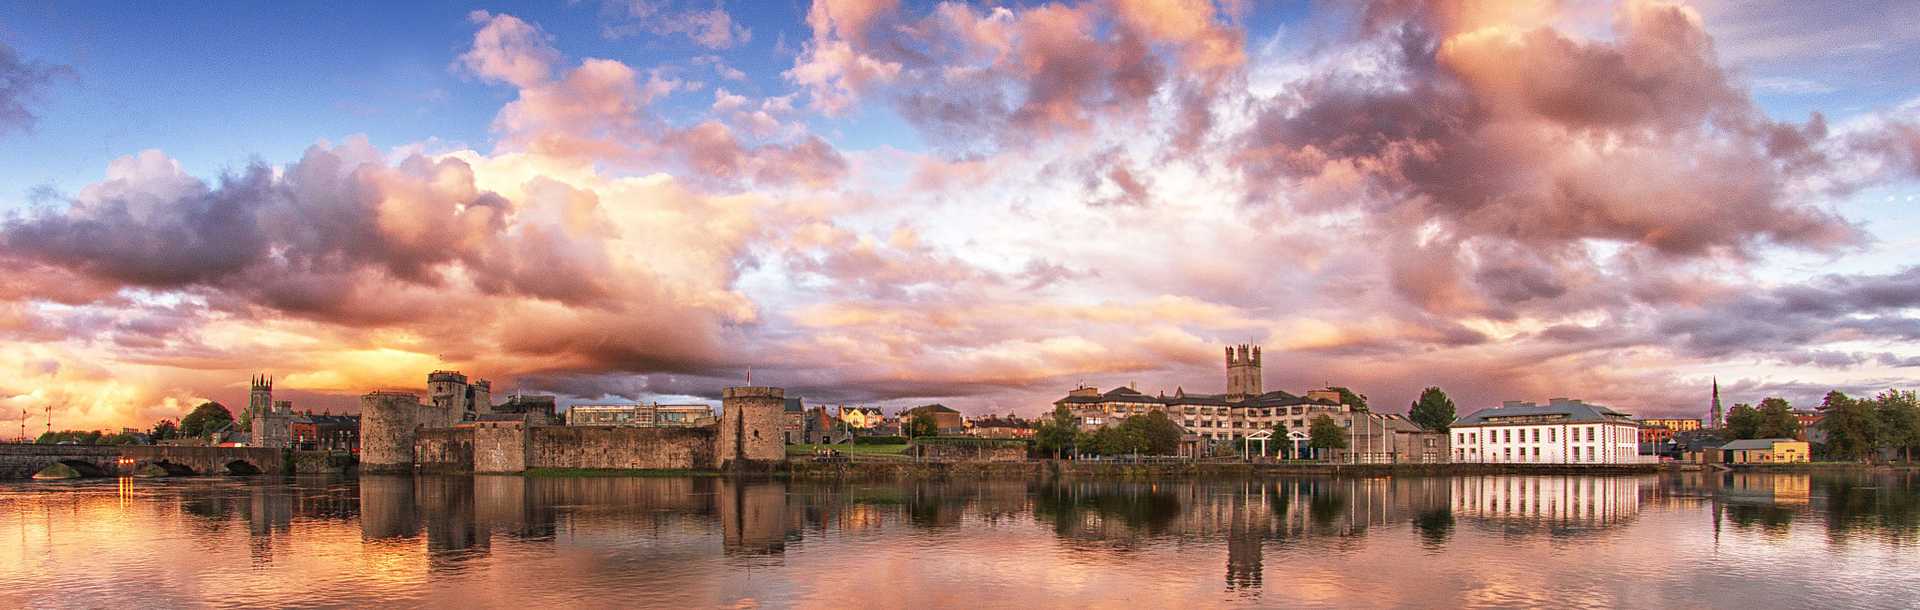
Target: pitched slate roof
x: 1572, y: 411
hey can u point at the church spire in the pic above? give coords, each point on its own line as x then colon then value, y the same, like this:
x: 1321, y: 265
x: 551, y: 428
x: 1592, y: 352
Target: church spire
x: 1714, y: 418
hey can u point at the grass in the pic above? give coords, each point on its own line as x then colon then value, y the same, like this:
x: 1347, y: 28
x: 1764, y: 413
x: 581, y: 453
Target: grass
x: 848, y: 448
x: 581, y: 473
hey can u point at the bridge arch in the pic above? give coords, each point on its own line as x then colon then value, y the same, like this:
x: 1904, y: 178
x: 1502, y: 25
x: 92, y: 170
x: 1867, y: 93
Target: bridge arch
x: 241, y: 467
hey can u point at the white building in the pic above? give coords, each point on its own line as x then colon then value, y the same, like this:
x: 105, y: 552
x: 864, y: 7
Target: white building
x: 1561, y: 432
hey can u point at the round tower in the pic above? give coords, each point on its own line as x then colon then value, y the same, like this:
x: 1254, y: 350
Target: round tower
x: 387, y: 423
x: 750, y: 423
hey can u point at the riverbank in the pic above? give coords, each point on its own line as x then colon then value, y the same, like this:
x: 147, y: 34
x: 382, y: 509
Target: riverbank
x: 1823, y: 467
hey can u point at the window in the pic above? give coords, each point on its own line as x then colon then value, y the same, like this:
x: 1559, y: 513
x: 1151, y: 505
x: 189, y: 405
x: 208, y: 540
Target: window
x: 1536, y: 452
x: 1506, y: 436
x: 1536, y: 435
x: 1506, y: 453
x: 1550, y: 435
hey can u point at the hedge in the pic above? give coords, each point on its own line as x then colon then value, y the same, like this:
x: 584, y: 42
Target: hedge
x: 879, y: 440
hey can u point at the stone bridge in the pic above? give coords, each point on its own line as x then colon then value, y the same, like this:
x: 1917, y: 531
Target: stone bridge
x: 21, y: 461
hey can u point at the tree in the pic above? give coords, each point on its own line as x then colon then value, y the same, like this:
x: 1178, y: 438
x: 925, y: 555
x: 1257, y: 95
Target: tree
x: 1434, y: 410
x: 921, y: 424
x: 1056, y: 432
x: 78, y: 437
x: 1898, y: 416
x: 1351, y: 398
x: 1850, y: 426
x: 1743, y: 421
x: 1156, y: 433
x: 204, y: 419
x: 1324, y: 433
x: 164, y: 429
x: 1775, y: 420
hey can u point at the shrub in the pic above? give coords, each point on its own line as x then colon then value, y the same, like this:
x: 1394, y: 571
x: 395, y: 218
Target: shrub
x: 879, y: 440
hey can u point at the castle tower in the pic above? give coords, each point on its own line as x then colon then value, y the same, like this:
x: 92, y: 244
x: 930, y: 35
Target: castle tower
x: 480, y: 395
x: 259, y: 397
x: 387, y: 423
x: 1243, y: 371
x: 751, y: 418
x: 448, y: 390
x: 1715, y: 418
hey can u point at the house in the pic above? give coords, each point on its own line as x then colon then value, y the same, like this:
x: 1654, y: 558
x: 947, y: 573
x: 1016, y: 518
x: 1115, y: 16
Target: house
x: 1698, y: 448
x: 946, y: 421
x: 1765, y: 451
x: 1001, y: 427
x: 1563, y: 431
x: 860, y: 418
x: 325, y: 432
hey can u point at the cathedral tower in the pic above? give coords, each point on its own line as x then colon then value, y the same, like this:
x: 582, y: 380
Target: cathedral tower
x: 1243, y: 371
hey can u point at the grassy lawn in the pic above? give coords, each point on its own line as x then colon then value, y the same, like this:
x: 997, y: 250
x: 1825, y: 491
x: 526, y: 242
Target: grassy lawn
x: 848, y: 449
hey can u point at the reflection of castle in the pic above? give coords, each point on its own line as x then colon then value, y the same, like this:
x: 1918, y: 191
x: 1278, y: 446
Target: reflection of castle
x: 1564, y: 500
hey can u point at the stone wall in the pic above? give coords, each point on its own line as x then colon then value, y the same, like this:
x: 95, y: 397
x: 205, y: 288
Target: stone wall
x: 500, y: 446
x: 387, y: 424
x: 751, y: 419
x: 970, y: 450
x: 621, y: 447
x: 443, y: 449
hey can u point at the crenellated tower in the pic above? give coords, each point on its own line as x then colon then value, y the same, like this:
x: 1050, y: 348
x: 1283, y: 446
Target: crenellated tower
x: 1243, y: 371
x: 268, y: 422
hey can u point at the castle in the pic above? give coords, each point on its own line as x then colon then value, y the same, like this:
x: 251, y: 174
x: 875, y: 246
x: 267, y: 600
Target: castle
x: 459, y: 429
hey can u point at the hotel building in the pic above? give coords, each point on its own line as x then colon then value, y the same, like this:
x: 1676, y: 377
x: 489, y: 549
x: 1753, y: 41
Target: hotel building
x: 1562, y: 431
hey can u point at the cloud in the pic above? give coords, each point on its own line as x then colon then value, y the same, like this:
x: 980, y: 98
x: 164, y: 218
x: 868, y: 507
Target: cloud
x: 712, y: 28
x: 23, y: 82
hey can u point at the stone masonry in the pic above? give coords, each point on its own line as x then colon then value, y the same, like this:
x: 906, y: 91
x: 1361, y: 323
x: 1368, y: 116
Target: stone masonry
x: 751, y: 418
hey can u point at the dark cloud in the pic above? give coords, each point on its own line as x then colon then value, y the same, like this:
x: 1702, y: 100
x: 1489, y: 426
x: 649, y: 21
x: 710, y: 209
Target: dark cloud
x: 1778, y: 322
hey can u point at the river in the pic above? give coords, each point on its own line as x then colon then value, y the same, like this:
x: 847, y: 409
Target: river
x: 1694, y: 540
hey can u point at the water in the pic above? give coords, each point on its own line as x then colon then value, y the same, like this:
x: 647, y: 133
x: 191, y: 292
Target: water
x: 1697, y: 541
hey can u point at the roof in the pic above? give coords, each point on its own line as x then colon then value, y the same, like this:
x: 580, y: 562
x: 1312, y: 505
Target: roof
x: 1568, y: 411
x: 793, y: 404
x: 932, y: 408
x: 1757, y: 443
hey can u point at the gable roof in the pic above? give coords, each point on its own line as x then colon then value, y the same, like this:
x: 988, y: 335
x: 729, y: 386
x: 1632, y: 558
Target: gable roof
x: 1568, y: 410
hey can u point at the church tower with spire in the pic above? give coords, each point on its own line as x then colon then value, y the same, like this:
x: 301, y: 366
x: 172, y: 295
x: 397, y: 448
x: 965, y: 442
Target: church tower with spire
x: 1715, y: 418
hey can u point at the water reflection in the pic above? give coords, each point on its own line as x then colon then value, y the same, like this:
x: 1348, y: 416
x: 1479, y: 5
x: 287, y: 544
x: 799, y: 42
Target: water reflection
x: 689, y: 542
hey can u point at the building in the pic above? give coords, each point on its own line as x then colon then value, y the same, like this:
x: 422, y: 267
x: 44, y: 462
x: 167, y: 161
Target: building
x: 1653, y: 435
x: 1385, y: 438
x: 326, y: 432
x: 793, y: 421
x: 1001, y: 427
x: 535, y: 409
x: 611, y: 415
x: 1765, y: 451
x: 269, y: 421
x: 1676, y: 424
x: 1215, y: 418
x: 946, y: 421
x: 639, y: 415
x: 860, y: 418
x: 1563, y: 431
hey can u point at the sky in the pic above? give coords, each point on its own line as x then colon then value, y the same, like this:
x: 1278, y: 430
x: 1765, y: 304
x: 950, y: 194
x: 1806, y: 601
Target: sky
x: 979, y: 204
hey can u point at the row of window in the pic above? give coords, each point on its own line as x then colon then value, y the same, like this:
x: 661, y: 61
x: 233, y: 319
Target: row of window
x: 1506, y: 436
x: 1507, y: 454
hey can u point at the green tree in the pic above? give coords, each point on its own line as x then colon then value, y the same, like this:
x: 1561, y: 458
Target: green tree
x: 1156, y: 433
x: 1743, y: 421
x: 1056, y: 433
x: 1775, y: 420
x: 1434, y: 410
x: 164, y: 429
x: 1898, y: 415
x: 1324, y: 433
x: 204, y: 419
x: 1850, y: 426
x: 77, y: 437
x: 921, y: 424
x: 1350, y: 398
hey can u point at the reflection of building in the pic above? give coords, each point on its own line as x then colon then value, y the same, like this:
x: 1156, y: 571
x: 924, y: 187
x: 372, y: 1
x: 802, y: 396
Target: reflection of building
x: 1566, y: 500
x: 1765, y: 451
x: 753, y: 516
x: 1561, y: 432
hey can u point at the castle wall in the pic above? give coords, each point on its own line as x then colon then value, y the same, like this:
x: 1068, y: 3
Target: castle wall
x: 500, y: 447
x: 387, y: 424
x: 751, y: 419
x: 621, y: 447
x: 444, y: 449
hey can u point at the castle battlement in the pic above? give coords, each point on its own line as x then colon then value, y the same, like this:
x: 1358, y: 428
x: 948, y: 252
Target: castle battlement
x: 752, y: 391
